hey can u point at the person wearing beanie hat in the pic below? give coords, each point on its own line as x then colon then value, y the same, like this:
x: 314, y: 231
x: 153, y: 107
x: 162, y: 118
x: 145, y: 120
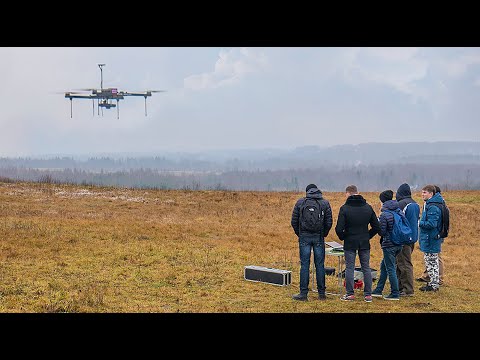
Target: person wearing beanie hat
x: 311, y: 222
x: 411, y: 210
x: 310, y: 186
x: 389, y: 248
x: 386, y: 195
x: 354, y: 219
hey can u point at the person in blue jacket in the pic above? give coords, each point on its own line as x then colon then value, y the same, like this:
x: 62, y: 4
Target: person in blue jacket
x: 430, y: 243
x: 411, y: 209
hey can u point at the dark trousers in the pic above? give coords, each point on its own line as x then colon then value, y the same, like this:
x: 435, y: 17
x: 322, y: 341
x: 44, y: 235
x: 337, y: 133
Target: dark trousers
x: 405, y: 269
x: 364, y: 257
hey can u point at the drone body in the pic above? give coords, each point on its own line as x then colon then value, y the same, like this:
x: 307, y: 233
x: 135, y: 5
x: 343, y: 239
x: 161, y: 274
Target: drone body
x: 105, y: 97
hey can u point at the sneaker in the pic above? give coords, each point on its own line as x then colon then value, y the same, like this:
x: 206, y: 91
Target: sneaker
x: 368, y: 298
x: 391, y: 297
x: 377, y: 294
x: 322, y: 297
x: 427, y: 288
x: 403, y: 293
x: 299, y: 297
x: 421, y: 279
x: 347, y: 297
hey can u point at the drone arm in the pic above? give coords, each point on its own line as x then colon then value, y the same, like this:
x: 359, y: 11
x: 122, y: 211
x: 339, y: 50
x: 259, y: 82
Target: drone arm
x: 80, y: 96
x: 145, y: 93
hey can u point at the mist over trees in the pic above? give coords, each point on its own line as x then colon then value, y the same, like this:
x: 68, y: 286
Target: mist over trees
x: 372, y: 167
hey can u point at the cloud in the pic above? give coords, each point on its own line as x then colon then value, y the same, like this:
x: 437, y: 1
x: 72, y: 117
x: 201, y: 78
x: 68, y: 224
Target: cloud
x: 458, y: 66
x: 398, y: 68
x: 231, y: 66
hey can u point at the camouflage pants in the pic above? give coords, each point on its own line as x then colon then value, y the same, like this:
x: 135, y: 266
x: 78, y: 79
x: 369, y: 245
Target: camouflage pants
x: 431, y: 264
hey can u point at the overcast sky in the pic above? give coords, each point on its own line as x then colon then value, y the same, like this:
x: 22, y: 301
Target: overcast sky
x: 236, y: 98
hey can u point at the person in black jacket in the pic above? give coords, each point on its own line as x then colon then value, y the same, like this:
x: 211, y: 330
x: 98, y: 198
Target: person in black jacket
x: 309, y: 239
x: 354, y: 218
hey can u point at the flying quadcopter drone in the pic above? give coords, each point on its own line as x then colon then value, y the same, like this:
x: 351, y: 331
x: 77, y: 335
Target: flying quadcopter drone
x: 106, y: 96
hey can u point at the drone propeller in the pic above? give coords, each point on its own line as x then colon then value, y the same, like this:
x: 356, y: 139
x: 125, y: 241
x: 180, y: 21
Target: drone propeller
x: 145, y: 91
x: 75, y: 92
x: 86, y: 89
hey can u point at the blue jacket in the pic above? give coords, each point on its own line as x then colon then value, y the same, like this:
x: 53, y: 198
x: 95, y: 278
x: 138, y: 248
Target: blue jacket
x: 430, y: 225
x: 412, y: 211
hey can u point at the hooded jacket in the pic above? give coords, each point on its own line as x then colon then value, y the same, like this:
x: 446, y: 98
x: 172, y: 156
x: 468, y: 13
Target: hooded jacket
x: 386, y: 221
x: 430, y: 225
x: 313, y: 193
x: 412, y: 211
x: 352, y: 224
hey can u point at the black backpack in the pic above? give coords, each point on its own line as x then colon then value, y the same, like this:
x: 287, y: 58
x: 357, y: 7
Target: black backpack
x: 312, y: 215
x: 445, y: 219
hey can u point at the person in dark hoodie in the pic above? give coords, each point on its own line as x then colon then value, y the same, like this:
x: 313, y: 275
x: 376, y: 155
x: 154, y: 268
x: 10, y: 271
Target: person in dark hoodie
x: 309, y: 239
x: 411, y: 209
x: 353, y: 220
x: 389, y: 249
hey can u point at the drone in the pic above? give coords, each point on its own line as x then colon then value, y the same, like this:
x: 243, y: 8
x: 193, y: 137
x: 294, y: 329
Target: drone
x: 105, y: 97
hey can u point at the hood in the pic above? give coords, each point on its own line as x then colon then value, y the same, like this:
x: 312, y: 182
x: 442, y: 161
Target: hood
x: 355, y: 200
x: 314, y: 193
x: 437, y: 198
x: 390, y: 205
x: 403, y: 192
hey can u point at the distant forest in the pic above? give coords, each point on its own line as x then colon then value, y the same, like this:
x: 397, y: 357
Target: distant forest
x: 372, y: 167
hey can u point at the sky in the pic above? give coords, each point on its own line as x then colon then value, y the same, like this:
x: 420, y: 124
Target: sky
x: 236, y: 98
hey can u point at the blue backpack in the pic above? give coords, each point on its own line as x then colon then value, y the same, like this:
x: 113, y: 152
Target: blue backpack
x: 401, y: 233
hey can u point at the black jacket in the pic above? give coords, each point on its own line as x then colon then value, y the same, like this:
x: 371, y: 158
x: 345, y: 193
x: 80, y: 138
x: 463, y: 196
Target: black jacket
x: 352, y: 224
x: 312, y: 193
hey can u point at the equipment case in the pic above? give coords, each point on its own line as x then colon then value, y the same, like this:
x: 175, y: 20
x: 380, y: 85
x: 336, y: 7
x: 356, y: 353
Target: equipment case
x: 268, y: 275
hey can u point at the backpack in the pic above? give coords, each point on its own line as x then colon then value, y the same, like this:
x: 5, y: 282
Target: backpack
x: 401, y: 233
x: 311, y: 216
x: 445, y: 219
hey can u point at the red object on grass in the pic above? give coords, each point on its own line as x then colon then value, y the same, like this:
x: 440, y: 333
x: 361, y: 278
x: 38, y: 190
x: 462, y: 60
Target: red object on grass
x: 357, y: 284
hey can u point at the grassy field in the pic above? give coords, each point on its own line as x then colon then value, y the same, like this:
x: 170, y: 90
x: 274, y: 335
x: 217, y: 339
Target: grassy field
x: 94, y: 250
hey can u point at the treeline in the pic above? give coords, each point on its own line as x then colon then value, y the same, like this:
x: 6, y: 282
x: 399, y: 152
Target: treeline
x: 109, y: 164
x: 366, y: 177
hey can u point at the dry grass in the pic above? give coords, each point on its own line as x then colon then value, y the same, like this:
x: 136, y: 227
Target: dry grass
x: 94, y: 249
